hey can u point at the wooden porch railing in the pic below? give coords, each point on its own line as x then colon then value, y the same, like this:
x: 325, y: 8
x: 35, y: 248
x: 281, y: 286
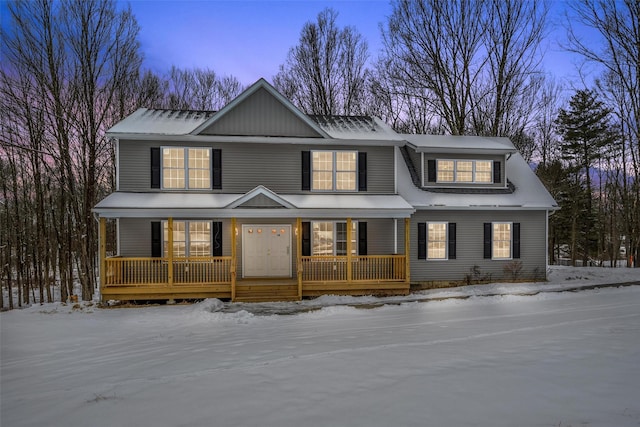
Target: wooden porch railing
x: 124, y: 271
x: 369, y: 268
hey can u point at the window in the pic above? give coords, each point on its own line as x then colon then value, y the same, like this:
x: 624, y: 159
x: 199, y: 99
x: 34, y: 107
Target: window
x: 330, y: 238
x: 186, y: 168
x: 465, y: 171
x: 501, y: 241
x: 190, y: 238
x: 334, y: 170
x: 436, y: 240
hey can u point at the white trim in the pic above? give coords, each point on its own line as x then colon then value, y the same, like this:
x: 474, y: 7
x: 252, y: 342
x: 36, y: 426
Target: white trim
x: 116, y: 144
x: 395, y: 170
x: 260, y: 190
x: 422, y: 169
x: 395, y: 236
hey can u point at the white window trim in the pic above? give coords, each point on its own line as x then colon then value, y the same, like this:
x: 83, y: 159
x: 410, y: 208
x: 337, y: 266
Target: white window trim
x: 446, y: 241
x: 493, y: 256
x: 473, y: 172
x: 334, y: 171
x: 354, y: 245
x: 187, y: 240
x: 186, y: 167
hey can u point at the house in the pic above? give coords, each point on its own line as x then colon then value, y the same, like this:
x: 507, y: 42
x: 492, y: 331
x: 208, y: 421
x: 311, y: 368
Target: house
x: 259, y: 201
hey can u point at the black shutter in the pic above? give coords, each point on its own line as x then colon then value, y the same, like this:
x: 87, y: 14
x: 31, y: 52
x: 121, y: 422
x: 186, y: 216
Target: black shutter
x: 362, y: 238
x: 431, y: 170
x: 487, y: 240
x: 497, y: 171
x: 306, y: 170
x: 422, y: 240
x: 216, y: 169
x: 155, y: 167
x: 516, y: 240
x: 217, y: 239
x: 306, y: 239
x: 156, y: 239
x: 362, y: 171
x: 452, y: 240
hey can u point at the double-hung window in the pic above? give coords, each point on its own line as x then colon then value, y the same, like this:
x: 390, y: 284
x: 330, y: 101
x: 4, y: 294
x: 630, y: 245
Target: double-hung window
x: 190, y: 238
x: 436, y: 240
x: 186, y: 168
x: 501, y: 241
x: 334, y: 170
x: 330, y: 238
x: 464, y: 171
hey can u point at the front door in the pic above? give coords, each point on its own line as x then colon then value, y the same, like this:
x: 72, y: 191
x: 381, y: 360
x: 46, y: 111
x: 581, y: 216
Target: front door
x: 266, y: 250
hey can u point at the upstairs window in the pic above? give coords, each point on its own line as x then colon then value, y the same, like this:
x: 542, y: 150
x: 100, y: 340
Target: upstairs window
x: 186, y: 168
x: 334, y: 170
x: 464, y: 171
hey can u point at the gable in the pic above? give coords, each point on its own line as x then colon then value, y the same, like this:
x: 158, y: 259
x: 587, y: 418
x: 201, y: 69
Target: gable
x: 260, y: 114
x: 261, y: 201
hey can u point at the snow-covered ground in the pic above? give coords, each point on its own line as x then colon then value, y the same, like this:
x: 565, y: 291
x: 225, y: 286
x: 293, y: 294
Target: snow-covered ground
x: 491, y: 355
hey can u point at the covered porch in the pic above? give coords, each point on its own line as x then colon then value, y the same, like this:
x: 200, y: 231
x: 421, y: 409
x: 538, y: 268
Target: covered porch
x: 298, y: 266
x: 171, y: 277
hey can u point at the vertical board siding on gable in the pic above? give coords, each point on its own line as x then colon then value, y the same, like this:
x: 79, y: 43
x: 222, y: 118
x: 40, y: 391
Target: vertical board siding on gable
x: 247, y: 165
x: 469, y: 245
x: 261, y: 114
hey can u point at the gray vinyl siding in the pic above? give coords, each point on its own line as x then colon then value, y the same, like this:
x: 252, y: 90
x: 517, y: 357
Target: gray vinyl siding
x: 247, y: 165
x: 469, y: 247
x: 446, y: 156
x: 135, y: 235
x: 259, y: 115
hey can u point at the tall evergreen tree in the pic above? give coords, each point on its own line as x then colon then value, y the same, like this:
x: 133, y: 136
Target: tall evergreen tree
x: 586, y: 133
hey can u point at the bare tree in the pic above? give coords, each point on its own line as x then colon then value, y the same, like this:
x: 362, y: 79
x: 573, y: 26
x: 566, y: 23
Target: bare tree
x: 65, y: 64
x: 325, y: 73
x: 200, y: 89
x: 616, y: 24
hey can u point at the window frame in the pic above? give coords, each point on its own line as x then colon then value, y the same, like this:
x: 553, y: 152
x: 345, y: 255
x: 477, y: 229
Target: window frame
x: 454, y: 171
x: 185, y: 168
x: 494, y: 240
x: 445, y: 241
x: 334, y: 171
x: 187, y: 238
x: 335, y: 241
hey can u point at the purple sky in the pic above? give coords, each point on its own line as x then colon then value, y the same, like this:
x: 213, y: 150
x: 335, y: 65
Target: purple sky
x: 250, y: 39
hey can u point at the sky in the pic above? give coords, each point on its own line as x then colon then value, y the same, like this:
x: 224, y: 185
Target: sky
x: 250, y: 39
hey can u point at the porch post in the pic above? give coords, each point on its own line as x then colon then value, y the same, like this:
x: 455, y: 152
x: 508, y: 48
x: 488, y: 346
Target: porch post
x: 299, y: 255
x: 407, y: 256
x: 234, y: 237
x: 103, y: 252
x: 349, y: 272
x: 170, y: 250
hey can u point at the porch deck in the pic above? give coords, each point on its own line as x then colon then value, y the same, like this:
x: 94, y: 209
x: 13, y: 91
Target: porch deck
x: 214, y: 277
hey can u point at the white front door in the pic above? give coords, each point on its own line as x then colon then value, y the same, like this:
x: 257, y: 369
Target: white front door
x: 266, y: 250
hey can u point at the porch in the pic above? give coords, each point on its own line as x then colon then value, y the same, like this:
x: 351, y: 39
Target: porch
x: 169, y: 277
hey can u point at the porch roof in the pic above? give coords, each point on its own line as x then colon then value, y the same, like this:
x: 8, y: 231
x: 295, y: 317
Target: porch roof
x: 209, y: 205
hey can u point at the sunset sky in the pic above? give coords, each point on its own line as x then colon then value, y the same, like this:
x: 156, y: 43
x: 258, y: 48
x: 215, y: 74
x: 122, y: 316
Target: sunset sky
x: 250, y: 39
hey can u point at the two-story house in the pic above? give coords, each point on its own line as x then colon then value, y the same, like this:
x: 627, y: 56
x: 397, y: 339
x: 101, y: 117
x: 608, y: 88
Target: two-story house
x: 259, y: 201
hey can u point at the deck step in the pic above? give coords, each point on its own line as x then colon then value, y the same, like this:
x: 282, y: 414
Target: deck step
x: 272, y: 298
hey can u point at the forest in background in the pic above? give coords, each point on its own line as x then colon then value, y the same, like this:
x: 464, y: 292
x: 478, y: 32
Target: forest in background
x: 71, y: 69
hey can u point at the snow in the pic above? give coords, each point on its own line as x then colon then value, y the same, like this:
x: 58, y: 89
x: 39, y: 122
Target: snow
x: 490, y: 355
